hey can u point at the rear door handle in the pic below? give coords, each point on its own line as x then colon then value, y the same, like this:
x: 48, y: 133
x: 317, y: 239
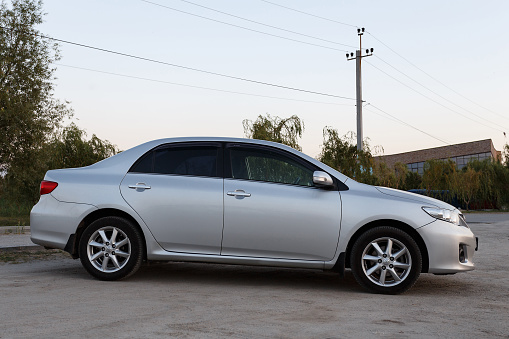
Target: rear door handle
x: 140, y: 186
x: 239, y: 193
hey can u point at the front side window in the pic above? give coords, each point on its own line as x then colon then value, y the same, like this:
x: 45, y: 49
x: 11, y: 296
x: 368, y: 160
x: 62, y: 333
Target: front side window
x: 265, y: 165
x: 194, y: 160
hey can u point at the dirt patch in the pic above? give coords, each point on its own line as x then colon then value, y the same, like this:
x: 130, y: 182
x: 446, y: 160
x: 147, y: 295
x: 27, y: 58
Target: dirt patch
x: 23, y: 256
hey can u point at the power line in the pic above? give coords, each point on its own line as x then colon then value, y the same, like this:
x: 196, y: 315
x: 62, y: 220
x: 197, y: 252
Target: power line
x: 432, y: 77
x: 407, y: 124
x: 266, y: 25
x: 242, y: 27
x: 198, y: 87
x: 184, y: 67
x: 431, y: 99
x: 309, y: 14
x: 401, y: 56
x: 388, y: 116
x: 444, y: 98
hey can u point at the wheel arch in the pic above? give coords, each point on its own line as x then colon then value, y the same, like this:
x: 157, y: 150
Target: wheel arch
x: 73, y: 245
x: 397, y: 224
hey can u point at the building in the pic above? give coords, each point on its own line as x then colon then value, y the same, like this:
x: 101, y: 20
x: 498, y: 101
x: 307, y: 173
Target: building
x: 461, y: 154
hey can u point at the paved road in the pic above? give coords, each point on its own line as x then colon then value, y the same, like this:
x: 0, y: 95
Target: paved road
x: 57, y: 298
x: 486, y: 218
x: 12, y: 237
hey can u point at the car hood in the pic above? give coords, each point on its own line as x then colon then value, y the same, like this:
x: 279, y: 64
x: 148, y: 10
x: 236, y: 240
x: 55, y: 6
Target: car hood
x: 426, y: 201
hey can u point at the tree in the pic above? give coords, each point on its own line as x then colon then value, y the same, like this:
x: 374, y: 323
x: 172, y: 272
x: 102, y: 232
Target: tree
x: 401, y: 173
x: 465, y: 185
x: 413, y: 180
x: 71, y: 149
x: 493, y: 183
x: 68, y: 148
x: 28, y: 110
x: 285, y: 131
x: 341, y: 153
x: 385, y: 176
x: 437, y: 174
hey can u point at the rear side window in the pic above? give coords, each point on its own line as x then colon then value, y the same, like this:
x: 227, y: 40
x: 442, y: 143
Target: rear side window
x: 194, y: 160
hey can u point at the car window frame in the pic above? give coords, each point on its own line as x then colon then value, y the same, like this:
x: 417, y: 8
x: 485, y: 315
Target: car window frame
x: 187, y: 144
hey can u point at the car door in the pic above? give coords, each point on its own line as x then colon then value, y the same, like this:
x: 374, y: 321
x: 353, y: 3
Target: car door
x: 177, y: 189
x: 273, y: 210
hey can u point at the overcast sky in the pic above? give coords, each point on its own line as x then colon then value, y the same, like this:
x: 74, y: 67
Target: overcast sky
x: 456, y: 93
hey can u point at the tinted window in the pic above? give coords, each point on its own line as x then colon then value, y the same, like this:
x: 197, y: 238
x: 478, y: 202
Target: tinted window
x: 199, y: 161
x: 269, y: 166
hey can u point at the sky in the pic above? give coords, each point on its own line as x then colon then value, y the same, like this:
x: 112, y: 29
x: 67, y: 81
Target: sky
x: 438, y: 75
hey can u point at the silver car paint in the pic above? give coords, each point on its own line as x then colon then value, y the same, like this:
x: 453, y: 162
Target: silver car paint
x: 285, y: 221
x: 55, y: 220
x: 98, y: 186
x: 165, y: 208
x: 442, y: 239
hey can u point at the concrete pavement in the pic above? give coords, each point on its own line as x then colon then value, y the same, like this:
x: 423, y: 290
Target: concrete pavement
x: 16, y: 238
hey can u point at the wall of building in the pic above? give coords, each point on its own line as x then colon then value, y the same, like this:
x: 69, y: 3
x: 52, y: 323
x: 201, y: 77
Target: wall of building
x: 459, y: 153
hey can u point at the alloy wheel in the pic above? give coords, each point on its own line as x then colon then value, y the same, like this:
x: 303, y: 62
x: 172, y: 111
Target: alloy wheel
x: 109, y: 249
x: 386, y: 261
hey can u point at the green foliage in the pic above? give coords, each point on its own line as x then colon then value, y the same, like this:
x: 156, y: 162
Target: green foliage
x: 493, y: 182
x: 385, y: 176
x: 412, y: 181
x: 69, y: 148
x: 437, y: 174
x: 341, y: 153
x: 465, y: 185
x: 285, y: 131
x: 28, y: 110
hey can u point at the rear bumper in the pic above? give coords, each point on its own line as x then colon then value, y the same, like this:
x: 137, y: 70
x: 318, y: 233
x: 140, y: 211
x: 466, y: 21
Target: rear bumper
x: 451, y: 248
x: 53, y: 221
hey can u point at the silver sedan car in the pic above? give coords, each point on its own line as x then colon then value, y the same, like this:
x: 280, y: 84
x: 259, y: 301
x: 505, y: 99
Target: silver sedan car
x: 249, y: 202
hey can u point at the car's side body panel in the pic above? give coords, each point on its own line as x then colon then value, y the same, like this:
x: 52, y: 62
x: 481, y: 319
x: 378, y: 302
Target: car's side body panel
x: 184, y: 213
x: 286, y: 221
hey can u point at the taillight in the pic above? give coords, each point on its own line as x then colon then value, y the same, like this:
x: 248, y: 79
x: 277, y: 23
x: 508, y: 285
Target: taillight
x: 48, y: 186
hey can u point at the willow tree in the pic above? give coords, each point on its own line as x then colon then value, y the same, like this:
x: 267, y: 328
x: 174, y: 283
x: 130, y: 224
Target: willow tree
x: 29, y: 111
x: 340, y: 152
x: 465, y: 185
x: 70, y: 148
x: 286, y: 131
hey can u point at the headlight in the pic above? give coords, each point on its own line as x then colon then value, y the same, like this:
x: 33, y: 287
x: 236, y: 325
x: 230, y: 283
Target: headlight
x: 454, y: 216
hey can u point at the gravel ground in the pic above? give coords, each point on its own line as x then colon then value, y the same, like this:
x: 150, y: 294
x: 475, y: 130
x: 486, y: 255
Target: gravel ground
x: 53, y: 296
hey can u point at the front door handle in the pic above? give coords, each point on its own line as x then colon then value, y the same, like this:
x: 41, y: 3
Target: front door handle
x: 140, y: 186
x: 239, y: 194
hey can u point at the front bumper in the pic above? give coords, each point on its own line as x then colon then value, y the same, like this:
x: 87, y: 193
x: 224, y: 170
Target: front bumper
x: 451, y: 248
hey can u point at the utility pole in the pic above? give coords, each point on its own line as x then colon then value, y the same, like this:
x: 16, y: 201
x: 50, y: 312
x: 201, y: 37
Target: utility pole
x: 357, y: 58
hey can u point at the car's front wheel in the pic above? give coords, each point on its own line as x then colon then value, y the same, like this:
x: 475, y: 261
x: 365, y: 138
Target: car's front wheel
x: 111, y: 248
x: 386, y: 260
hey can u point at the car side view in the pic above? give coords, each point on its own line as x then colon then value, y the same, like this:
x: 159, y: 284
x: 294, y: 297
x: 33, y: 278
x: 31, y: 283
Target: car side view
x: 249, y: 202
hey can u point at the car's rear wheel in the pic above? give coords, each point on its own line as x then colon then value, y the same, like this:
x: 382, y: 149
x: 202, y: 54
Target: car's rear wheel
x: 111, y: 248
x: 386, y: 260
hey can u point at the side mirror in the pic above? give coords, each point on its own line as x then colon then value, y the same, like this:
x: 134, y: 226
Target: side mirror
x: 322, y: 179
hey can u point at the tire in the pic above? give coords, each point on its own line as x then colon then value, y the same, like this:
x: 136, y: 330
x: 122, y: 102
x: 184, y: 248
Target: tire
x: 111, y: 248
x: 386, y: 260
